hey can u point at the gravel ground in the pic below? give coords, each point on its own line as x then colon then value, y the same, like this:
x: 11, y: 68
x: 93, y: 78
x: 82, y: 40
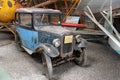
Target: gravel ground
x: 104, y: 65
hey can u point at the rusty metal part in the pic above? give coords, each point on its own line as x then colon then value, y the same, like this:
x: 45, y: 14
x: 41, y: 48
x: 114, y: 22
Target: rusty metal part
x: 60, y: 61
x: 78, y: 59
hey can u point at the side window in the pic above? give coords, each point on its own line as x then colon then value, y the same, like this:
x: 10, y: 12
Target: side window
x: 16, y: 18
x: 26, y: 20
x: 55, y: 19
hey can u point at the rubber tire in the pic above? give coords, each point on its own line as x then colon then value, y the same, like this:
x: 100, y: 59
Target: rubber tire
x: 47, y: 65
x: 81, y: 60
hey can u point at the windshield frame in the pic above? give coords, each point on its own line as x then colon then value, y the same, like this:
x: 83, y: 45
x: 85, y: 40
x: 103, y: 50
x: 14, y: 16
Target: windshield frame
x: 49, y: 21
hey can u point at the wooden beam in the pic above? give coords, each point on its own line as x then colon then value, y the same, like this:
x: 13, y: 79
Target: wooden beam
x: 56, y: 7
x: 66, y: 5
x: 45, y: 3
x: 81, y: 18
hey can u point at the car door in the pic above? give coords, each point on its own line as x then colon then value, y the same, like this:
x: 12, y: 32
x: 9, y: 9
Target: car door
x: 28, y: 36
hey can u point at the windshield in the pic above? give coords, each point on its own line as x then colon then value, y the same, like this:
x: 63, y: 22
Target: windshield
x: 46, y: 19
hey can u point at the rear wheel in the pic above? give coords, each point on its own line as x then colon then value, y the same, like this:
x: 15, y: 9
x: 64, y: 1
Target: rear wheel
x: 18, y: 42
x: 47, y: 64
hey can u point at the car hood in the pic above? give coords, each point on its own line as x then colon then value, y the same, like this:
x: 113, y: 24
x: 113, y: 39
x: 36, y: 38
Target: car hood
x: 55, y: 29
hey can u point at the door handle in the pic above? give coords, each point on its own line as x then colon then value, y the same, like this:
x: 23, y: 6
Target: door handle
x: 34, y: 39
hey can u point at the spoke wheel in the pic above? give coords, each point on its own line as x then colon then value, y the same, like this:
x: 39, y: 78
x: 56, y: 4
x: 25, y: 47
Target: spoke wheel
x: 47, y: 64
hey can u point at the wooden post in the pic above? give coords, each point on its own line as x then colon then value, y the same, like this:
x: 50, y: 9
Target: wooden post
x: 66, y: 5
x: 56, y: 7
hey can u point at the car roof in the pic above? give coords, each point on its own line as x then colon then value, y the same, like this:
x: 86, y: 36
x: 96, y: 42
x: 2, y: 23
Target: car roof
x: 37, y: 10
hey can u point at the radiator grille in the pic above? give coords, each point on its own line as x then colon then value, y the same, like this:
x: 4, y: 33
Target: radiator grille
x: 67, y: 44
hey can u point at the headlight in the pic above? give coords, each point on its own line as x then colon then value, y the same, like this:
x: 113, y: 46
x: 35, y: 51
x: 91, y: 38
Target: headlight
x: 78, y: 38
x: 56, y: 42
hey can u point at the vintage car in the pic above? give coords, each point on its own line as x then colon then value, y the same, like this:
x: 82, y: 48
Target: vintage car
x: 39, y: 31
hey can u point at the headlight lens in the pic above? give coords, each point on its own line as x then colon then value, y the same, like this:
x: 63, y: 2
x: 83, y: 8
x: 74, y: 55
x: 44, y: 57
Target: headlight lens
x: 56, y: 42
x: 78, y: 38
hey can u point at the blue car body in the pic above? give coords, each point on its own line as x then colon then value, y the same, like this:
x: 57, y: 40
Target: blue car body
x: 39, y: 31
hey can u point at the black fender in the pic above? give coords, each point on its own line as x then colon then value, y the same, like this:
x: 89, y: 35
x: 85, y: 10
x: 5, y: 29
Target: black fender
x: 48, y: 49
x: 83, y: 43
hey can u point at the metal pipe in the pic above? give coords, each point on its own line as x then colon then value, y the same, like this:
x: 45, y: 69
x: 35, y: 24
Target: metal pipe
x: 111, y: 12
x: 91, y: 12
x: 104, y: 30
x: 111, y: 25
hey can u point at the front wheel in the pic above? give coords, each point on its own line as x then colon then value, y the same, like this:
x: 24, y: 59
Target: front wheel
x: 80, y: 57
x: 47, y: 64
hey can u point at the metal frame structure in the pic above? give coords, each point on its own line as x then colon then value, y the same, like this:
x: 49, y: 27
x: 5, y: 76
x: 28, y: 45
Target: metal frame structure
x: 114, y: 38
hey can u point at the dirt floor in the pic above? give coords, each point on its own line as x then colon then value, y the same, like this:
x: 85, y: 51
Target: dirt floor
x: 102, y: 60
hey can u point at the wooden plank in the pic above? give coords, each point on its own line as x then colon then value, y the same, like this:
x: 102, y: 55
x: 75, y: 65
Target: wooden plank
x: 66, y: 5
x: 45, y: 3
